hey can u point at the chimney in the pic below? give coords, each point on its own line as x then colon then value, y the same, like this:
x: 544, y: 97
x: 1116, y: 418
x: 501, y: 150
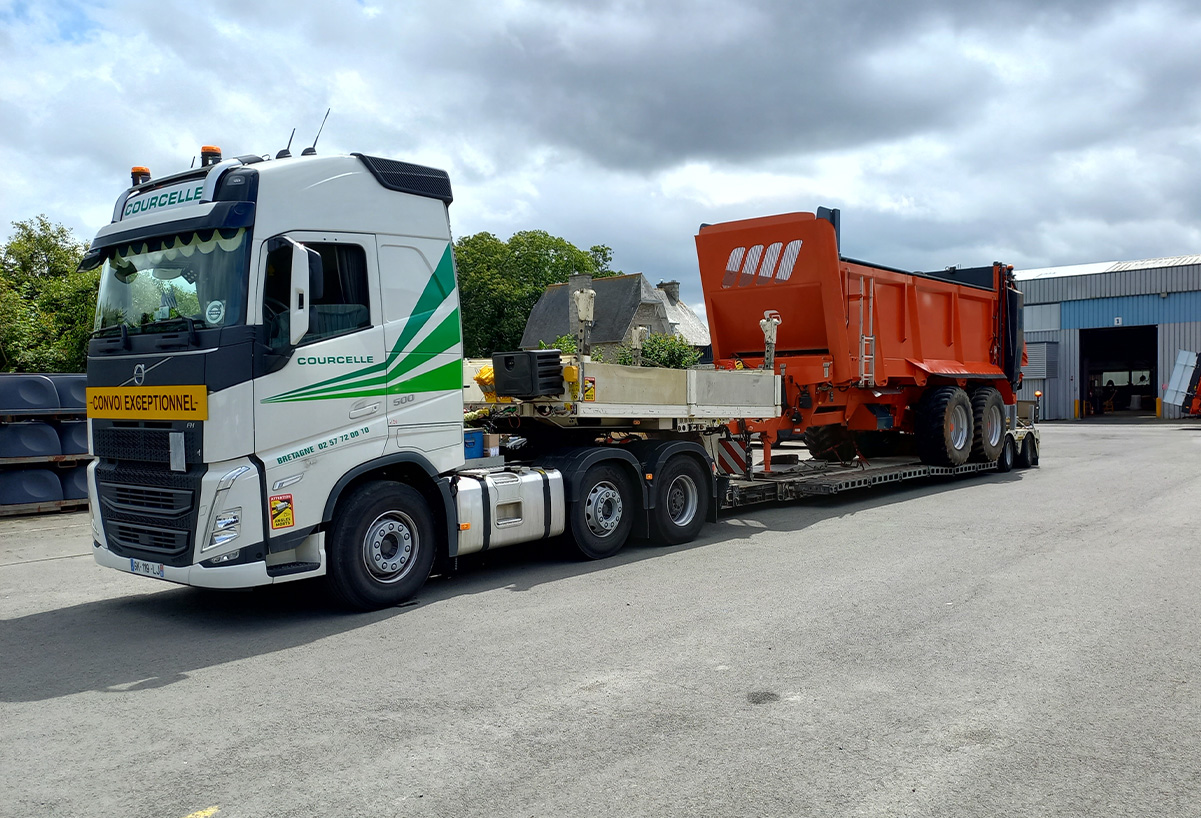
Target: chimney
x: 672, y: 288
x: 575, y: 283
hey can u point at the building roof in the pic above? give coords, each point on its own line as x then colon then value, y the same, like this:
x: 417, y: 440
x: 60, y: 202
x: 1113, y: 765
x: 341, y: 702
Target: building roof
x: 1107, y: 267
x: 617, y: 302
x: 687, y: 323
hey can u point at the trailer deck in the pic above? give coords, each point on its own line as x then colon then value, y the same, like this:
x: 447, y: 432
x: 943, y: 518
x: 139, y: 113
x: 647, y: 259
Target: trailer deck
x: 816, y: 478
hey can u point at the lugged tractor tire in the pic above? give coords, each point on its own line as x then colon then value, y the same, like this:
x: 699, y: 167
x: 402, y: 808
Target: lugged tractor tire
x: 988, y: 425
x: 944, y: 426
x: 832, y: 443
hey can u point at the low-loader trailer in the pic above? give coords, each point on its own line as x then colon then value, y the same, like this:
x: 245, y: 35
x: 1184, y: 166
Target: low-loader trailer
x: 277, y: 388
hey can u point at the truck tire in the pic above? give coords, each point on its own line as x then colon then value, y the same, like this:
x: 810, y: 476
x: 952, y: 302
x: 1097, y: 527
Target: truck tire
x: 683, y: 501
x: 944, y: 426
x: 381, y: 548
x: 1029, y: 454
x: 601, y: 519
x: 1007, y: 456
x: 832, y: 443
x: 988, y: 424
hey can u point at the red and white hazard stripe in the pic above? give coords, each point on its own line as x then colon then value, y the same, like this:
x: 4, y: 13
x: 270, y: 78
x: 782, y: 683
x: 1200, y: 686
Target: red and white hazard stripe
x: 731, y: 457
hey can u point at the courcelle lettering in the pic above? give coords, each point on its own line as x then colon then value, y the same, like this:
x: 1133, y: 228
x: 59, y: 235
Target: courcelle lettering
x: 336, y: 359
x: 151, y: 201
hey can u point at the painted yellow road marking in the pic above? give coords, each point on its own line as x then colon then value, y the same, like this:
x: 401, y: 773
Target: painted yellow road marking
x: 204, y: 813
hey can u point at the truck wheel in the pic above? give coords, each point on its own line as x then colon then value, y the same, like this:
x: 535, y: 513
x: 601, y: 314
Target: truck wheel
x: 601, y: 519
x: 944, y: 426
x: 382, y: 546
x: 683, y: 502
x: 988, y: 424
x: 1006, y: 458
x: 832, y: 443
x: 1029, y: 455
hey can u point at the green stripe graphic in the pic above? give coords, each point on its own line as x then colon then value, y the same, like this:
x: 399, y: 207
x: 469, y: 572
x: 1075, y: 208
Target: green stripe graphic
x: 380, y: 379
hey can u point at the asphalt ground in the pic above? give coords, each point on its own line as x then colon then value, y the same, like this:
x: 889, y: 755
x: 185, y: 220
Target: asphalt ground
x: 997, y: 645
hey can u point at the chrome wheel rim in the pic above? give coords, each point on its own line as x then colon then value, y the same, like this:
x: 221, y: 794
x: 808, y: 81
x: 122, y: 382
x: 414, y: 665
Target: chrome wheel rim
x: 682, y: 500
x: 602, y: 509
x: 389, y: 546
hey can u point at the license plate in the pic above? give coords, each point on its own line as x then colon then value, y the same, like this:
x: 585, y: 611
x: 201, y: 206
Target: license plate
x: 150, y: 569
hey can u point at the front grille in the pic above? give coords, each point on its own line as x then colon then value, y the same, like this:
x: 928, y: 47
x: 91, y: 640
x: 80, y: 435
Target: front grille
x: 159, y: 541
x: 143, y: 444
x: 171, y: 502
x: 148, y: 512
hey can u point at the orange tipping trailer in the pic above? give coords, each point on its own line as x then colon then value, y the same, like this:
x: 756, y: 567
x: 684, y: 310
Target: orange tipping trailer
x: 873, y: 359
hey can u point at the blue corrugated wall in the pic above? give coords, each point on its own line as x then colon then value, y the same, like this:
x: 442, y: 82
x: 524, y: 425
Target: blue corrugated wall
x: 1132, y: 309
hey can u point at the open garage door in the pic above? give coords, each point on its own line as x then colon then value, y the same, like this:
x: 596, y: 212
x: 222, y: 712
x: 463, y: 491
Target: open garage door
x: 1118, y: 370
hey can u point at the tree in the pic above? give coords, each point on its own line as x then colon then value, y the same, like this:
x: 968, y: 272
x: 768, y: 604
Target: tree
x: 499, y: 282
x: 46, y: 304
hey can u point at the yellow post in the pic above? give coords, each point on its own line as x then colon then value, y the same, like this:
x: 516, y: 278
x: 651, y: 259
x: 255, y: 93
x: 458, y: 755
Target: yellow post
x: 1159, y: 407
x: 1076, y: 408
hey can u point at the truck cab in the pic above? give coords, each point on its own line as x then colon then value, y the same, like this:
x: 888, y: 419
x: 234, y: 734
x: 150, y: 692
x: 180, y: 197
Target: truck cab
x: 249, y: 357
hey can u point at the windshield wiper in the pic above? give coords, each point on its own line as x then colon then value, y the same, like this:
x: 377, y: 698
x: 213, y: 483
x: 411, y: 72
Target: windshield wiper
x: 191, y: 324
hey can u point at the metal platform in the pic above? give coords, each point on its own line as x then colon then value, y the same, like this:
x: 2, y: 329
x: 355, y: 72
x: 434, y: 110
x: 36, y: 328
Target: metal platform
x: 812, y: 478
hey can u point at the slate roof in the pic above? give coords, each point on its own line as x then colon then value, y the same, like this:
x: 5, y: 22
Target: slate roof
x: 617, y: 302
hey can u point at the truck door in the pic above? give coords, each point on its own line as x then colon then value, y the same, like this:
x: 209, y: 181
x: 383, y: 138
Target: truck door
x: 424, y: 337
x: 320, y: 404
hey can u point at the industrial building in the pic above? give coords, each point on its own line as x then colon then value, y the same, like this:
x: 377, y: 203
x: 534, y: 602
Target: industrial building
x: 1103, y: 337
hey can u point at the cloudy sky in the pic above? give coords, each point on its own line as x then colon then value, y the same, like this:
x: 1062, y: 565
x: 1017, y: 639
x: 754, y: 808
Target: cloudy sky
x: 1036, y: 132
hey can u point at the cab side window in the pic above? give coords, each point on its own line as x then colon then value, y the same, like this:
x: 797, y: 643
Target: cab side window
x: 344, y: 305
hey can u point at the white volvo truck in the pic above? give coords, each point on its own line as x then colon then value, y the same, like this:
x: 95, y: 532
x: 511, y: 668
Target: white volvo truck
x: 276, y: 392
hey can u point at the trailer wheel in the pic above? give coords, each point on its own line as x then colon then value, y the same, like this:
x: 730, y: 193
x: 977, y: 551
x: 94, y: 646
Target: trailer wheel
x: 382, y: 546
x: 1006, y: 458
x: 1029, y: 455
x: 601, y: 519
x: 832, y: 443
x: 683, y: 502
x: 988, y: 424
x: 944, y: 426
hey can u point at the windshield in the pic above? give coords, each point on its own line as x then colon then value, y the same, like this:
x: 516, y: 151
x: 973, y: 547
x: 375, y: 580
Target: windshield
x: 149, y: 285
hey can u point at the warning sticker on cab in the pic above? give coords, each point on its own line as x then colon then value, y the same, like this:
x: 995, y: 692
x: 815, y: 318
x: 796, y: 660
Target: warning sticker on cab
x: 148, y: 402
x: 281, y: 510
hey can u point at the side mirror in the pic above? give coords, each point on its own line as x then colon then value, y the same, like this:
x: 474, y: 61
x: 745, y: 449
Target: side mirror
x: 307, y: 278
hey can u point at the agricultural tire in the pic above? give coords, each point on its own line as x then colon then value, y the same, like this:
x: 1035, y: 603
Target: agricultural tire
x: 601, y: 519
x: 944, y: 426
x: 832, y: 443
x: 1028, y: 456
x: 1007, y: 456
x: 382, y: 545
x: 683, y: 501
x: 988, y: 425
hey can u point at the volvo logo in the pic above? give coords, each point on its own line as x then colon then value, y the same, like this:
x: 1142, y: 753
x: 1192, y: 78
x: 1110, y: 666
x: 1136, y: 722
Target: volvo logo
x: 139, y: 374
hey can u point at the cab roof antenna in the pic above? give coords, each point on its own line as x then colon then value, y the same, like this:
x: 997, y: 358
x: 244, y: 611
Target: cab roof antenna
x: 311, y: 150
x: 286, y: 153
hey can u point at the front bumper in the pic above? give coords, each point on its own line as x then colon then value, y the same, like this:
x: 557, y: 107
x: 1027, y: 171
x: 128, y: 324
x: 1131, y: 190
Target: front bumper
x: 246, y: 575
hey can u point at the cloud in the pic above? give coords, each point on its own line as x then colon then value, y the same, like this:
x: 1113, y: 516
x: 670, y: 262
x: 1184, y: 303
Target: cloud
x: 949, y: 133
